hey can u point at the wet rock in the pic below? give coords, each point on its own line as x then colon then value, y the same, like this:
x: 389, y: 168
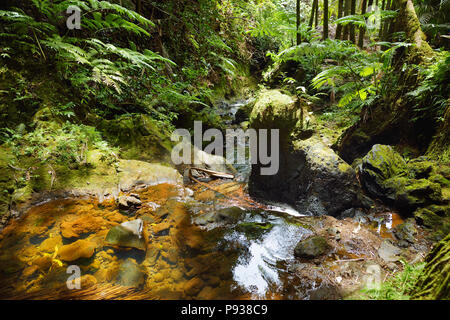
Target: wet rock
x: 254, y: 230
x: 229, y: 214
x: 354, y: 214
x: 128, y: 234
x: 131, y: 202
x: 49, y: 244
x: 312, y: 178
x: 130, y: 274
x: 87, y: 281
x: 325, y: 292
x: 133, y: 173
x: 76, y: 250
x: 311, y: 247
x: 43, y: 263
x: 388, y: 252
x: 406, y: 231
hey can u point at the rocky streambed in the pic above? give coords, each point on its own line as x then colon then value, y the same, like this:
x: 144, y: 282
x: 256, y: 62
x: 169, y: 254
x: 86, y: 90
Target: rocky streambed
x: 151, y: 236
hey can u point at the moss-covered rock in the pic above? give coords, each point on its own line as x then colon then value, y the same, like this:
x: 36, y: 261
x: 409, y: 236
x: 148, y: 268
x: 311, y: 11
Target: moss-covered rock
x: 311, y: 176
x: 434, y: 282
x: 275, y: 110
x: 419, y: 185
x: 436, y: 218
x: 311, y: 247
x: 381, y: 163
x: 408, y: 186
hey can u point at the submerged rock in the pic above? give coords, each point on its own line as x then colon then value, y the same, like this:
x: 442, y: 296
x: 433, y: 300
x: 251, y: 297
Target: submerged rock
x: 128, y: 234
x: 76, y: 250
x: 83, y: 225
x: 130, y: 274
x: 311, y: 247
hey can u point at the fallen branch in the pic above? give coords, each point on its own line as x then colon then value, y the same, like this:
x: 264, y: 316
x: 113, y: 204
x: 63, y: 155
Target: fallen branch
x: 216, y: 174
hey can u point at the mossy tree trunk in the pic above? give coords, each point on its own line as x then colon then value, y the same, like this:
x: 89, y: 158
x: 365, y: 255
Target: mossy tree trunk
x: 362, y: 29
x: 390, y: 120
x: 325, y: 19
x: 299, y: 36
x: 434, y: 283
x: 340, y: 13
x: 313, y: 12
x: 347, y: 5
x: 352, y: 26
x: 408, y: 22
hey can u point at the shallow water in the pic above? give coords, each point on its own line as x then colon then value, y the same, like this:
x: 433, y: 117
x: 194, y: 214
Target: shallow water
x: 240, y: 256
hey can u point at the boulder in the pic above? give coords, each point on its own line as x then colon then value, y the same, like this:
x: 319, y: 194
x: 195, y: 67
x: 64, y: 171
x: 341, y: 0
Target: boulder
x: 128, y: 234
x: 311, y: 177
x: 417, y: 183
x: 311, y: 247
x: 76, y: 250
x: 406, y: 231
x: 381, y: 163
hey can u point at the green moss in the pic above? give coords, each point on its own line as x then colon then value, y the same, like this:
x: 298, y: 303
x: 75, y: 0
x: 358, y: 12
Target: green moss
x: 274, y: 110
x: 434, y: 282
x: 139, y: 136
x: 435, y: 217
x: 254, y: 230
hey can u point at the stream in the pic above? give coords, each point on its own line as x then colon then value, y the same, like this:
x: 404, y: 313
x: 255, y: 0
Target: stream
x: 201, y: 245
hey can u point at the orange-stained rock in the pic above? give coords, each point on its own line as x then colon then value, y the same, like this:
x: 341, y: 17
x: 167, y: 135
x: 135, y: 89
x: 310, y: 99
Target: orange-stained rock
x: 85, y: 224
x: 78, y: 249
x: 87, y: 281
x: 44, y: 263
x: 49, y: 244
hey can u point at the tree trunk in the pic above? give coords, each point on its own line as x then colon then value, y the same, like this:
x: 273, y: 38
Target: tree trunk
x: 299, y: 36
x: 362, y: 29
x: 317, y: 13
x: 352, y: 26
x: 407, y: 22
x: 325, y: 19
x: 340, y: 13
x: 434, y: 281
x: 346, y: 13
x: 313, y: 10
